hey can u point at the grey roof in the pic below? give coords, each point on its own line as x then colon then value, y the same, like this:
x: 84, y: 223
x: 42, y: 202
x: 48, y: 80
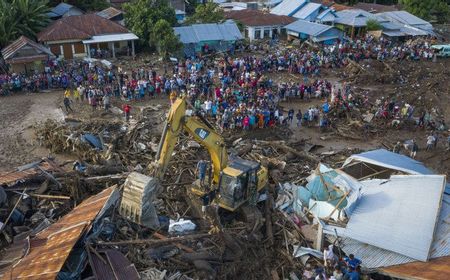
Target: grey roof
x: 208, y: 32
x: 307, y: 27
x: 388, y: 159
x: 357, y: 18
x: 307, y: 10
x: 399, y: 214
x: 375, y: 257
x: 288, y: 7
x: 406, y: 18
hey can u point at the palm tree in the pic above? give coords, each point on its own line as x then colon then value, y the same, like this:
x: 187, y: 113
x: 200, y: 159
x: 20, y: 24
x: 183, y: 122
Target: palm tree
x: 22, y: 17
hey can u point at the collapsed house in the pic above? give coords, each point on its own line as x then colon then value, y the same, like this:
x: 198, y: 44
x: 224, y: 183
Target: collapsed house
x: 387, y: 209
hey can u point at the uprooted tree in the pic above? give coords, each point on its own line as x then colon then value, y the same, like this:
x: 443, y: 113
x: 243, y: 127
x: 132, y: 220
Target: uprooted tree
x: 164, y: 38
x: 142, y: 15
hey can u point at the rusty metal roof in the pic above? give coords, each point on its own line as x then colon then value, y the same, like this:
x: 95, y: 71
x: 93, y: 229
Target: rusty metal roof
x: 79, y: 28
x: 436, y: 269
x: 109, y: 13
x: 115, y: 267
x: 9, y: 51
x: 22, y: 174
x: 258, y: 18
x: 50, y: 248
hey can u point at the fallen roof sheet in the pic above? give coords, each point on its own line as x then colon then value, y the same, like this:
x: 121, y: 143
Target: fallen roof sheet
x: 51, y: 247
x: 26, y: 172
x: 437, y: 269
x: 399, y: 214
x: 113, y: 266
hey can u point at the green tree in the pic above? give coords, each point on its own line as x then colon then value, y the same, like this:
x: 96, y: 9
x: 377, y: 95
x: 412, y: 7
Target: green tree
x: 141, y: 15
x: 428, y: 9
x: 22, y: 17
x: 207, y: 13
x: 166, y: 41
x: 373, y: 24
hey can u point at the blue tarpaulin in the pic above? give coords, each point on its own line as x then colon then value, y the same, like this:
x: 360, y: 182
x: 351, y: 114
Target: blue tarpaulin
x: 93, y: 140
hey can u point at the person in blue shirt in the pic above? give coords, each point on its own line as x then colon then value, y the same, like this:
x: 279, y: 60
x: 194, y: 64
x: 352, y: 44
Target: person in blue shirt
x: 352, y: 261
x: 352, y: 274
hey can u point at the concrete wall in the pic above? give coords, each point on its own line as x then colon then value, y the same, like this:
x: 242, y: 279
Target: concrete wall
x: 261, y: 32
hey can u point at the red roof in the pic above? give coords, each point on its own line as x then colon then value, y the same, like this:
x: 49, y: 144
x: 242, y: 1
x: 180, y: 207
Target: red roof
x: 258, y: 18
x: 79, y: 28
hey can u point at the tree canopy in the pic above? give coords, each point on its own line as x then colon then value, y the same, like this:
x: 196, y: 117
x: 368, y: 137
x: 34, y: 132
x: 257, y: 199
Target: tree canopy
x: 428, y: 9
x: 207, y: 13
x: 142, y: 15
x: 165, y: 40
x: 22, y: 17
x: 373, y: 24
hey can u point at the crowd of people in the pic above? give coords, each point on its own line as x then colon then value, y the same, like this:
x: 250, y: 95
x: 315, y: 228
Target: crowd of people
x: 235, y: 92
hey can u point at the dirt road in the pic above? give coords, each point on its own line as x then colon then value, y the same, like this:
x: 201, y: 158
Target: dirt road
x: 18, y: 113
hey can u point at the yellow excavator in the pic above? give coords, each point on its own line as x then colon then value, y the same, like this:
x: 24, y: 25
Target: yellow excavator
x: 234, y: 181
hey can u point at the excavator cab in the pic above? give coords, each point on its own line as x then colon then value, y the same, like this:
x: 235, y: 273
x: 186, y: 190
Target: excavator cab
x: 238, y: 183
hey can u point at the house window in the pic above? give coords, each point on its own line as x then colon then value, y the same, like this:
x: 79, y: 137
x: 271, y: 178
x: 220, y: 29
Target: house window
x: 257, y: 33
x: 266, y: 33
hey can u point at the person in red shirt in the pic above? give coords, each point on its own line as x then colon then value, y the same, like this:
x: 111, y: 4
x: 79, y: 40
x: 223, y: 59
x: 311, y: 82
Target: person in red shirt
x: 127, y: 111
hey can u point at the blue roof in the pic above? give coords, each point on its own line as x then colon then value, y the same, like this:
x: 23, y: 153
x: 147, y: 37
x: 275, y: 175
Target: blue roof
x: 357, y: 18
x: 61, y: 9
x: 208, y: 32
x: 288, y: 7
x: 322, y: 15
x: 307, y: 10
x: 307, y: 27
x: 404, y: 17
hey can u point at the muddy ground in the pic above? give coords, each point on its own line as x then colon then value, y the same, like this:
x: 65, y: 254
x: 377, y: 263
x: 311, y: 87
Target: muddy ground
x: 423, y: 84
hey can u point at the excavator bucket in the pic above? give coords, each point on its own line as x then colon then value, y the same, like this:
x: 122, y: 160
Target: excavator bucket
x: 137, y: 200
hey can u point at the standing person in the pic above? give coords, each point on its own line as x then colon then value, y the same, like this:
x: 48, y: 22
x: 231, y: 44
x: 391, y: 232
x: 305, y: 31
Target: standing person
x: 201, y: 171
x: 66, y: 102
x: 328, y: 256
x: 397, y: 148
x: 106, y: 102
x: 127, y: 111
x: 430, y: 142
x: 299, y: 117
x: 414, y: 149
x: 291, y: 115
x: 352, y: 261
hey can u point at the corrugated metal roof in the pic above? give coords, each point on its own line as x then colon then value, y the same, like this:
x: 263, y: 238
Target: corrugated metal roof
x: 51, y: 247
x: 109, y: 13
x: 405, y: 18
x: 208, y: 32
x: 61, y: 8
x: 288, y: 7
x: 357, y: 18
x: 306, y: 10
x: 374, y: 257
x: 80, y: 27
x: 111, y: 38
x: 326, y: 12
x: 437, y: 269
x: 399, y: 214
x: 307, y: 27
x: 22, y: 174
x: 10, y: 50
x: 387, y: 159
